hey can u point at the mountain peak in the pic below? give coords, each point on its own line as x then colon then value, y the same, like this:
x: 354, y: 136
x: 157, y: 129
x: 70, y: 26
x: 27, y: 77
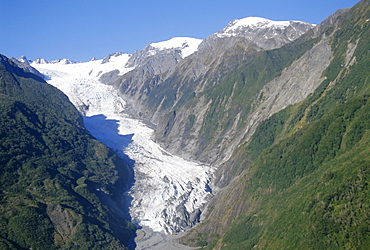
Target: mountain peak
x: 108, y: 57
x: 58, y: 61
x: 187, y: 45
x: 239, y: 27
x: 255, y: 22
x: 23, y: 59
x: 40, y: 61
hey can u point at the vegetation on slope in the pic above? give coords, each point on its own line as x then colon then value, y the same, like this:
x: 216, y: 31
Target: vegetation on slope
x: 307, y: 168
x: 54, y: 176
x: 239, y: 91
x: 224, y: 95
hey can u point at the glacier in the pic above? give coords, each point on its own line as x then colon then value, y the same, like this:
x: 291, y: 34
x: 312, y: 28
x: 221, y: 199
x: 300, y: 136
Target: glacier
x: 168, y: 193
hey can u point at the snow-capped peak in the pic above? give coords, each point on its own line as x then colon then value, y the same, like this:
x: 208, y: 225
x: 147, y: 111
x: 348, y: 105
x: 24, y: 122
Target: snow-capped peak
x: 58, y: 61
x: 23, y: 59
x: 255, y: 22
x: 239, y: 26
x: 187, y: 45
x: 114, y: 56
x: 40, y: 61
x: 91, y: 69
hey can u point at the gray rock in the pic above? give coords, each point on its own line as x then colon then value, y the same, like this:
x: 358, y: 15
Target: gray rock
x: 24, y: 63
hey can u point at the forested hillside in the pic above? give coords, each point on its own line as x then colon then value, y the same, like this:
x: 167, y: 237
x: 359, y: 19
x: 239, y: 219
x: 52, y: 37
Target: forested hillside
x: 59, y: 187
x: 305, y: 173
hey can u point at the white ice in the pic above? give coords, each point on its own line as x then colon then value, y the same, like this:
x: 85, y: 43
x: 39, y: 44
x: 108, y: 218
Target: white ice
x: 84, y: 70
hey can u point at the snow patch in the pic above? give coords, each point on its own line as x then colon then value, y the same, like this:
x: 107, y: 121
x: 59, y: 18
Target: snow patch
x: 254, y: 23
x: 84, y: 70
x: 187, y: 45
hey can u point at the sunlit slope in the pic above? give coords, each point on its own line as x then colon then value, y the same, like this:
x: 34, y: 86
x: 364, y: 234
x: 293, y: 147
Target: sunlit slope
x: 305, y: 179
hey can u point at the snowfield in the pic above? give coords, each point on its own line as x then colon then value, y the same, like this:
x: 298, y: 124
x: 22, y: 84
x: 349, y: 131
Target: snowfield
x: 168, y: 192
x: 235, y: 28
x: 187, y: 45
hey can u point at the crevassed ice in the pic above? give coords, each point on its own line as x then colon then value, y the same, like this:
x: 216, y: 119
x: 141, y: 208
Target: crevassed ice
x: 163, y: 182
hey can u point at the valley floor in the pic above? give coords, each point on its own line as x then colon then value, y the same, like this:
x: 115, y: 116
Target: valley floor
x: 148, y: 239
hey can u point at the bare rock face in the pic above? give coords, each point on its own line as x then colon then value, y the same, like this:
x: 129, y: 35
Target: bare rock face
x: 24, y: 63
x: 184, y: 128
x: 154, y: 60
x: 294, y: 84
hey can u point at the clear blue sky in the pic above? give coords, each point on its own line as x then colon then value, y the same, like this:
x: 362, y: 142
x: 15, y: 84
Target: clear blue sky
x: 82, y: 29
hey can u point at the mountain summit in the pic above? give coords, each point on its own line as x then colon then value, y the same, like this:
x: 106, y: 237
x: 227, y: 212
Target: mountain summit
x: 262, y: 31
x: 255, y: 23
x: 186, y: 45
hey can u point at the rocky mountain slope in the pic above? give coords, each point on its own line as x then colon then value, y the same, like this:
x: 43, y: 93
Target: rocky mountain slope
x: 179, y: 100
x: 24, y: 63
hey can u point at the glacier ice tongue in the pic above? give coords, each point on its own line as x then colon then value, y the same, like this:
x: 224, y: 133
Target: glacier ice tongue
x: 169, y: 192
